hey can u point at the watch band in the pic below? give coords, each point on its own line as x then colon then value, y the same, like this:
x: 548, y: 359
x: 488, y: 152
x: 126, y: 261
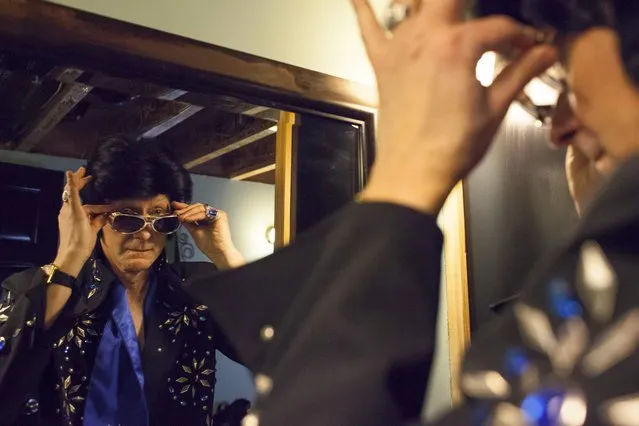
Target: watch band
x: 56, y: 276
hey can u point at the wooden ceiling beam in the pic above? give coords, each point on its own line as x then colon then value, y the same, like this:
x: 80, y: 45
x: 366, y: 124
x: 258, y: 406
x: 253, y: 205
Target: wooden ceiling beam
x: 233, y: 143
x: 145, y: 89
x: 255, y: 171
x: 55, y: 109
x: 136, y: 119
x: 170, y: 122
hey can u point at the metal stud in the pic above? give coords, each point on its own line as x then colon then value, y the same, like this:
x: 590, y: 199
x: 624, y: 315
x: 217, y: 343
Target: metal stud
x: 263, y: 384
x: 32, y: 406
x: 251, y: 419
x: 485, y: 384
x: 597, y: 282
x: 508, y: 415
x: 614, y: 345
x: 622, y: 411
x: 535, y: 328
x: 572, y: 339
x: 267, y: 333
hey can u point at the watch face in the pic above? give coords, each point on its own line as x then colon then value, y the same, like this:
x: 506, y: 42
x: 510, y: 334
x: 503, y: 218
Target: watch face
x: 48, y: 271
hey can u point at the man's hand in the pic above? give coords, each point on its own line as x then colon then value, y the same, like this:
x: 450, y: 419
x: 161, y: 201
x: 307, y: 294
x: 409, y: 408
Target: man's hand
x: 212, y: 237
x: 436, y: 121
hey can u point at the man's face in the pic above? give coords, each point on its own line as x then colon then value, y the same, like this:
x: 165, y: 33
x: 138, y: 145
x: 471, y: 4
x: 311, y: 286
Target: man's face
x: 566, y: 129
x: 599, y: 112
x: 135, y: 252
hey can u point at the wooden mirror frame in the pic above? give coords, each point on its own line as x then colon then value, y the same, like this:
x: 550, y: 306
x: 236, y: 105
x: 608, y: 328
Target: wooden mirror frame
x: 88, y: 41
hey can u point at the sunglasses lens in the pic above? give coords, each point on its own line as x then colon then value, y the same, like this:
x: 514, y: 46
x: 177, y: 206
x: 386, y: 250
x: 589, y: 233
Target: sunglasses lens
x: 167, y: 225
x: 127, y: 224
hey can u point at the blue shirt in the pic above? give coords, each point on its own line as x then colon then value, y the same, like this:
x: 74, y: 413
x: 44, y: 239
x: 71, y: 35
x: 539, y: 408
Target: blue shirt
x: 116, y: 387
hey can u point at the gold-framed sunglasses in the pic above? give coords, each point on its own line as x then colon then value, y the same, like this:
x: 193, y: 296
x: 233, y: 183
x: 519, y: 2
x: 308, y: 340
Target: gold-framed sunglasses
x: 540, y: 96
x: 127, y: 223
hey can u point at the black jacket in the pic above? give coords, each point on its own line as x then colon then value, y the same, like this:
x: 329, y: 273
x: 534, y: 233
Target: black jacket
x: 592, y: 349
x: 355, y: 346
x: 352, y: 306
x: 44, y: 375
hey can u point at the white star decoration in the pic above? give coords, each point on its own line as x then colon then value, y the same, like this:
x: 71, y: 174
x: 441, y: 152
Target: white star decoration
x: 571, y: 351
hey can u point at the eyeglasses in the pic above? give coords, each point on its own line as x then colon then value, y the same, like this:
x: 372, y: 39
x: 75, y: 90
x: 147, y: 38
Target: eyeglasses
x: 552, y: 82
x: 127, y: 224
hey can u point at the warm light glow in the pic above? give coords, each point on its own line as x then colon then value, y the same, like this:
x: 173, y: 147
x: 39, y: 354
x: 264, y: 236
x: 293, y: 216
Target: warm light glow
x: 541, y: 93
x: 485, y: 70
x: 270, y: 234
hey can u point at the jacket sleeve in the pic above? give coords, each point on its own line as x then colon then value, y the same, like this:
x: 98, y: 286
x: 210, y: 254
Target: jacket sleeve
x: 24, y: 344
x: 340, y: 326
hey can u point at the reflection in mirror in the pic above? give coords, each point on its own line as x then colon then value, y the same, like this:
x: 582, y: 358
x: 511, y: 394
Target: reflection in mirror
x: 52, y: 119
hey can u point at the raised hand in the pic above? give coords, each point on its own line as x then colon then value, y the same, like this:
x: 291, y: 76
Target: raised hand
x: 436, y: 121
x: 211, y: 235
x: 78, y: 224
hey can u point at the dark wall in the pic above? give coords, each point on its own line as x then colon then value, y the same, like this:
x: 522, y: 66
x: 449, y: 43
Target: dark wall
x: 517, y: 208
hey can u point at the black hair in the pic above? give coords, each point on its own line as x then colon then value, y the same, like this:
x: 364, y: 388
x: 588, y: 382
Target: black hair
x: 575, y: 16
x: 123, y: 168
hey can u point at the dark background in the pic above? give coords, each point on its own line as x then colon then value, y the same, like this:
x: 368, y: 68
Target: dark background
x: 517, y: 208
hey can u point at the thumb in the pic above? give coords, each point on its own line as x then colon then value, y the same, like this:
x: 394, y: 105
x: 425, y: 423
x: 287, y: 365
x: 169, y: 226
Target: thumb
x: 98, y: 222
x: 514, y: 78
x: 179, y: 205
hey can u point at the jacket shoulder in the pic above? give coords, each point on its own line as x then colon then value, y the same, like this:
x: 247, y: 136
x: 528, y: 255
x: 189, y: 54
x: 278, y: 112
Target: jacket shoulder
x: 22, y: 281
x: 185, y: 269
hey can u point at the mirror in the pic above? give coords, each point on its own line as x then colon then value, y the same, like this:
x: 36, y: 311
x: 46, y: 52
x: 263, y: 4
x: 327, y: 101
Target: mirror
x: 276, y: 171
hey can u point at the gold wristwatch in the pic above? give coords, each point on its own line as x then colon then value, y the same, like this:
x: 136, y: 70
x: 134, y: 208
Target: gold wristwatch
x: 56, y: 276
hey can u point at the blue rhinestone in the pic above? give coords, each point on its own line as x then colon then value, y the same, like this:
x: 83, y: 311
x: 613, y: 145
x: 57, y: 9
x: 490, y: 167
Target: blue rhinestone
x: 171, y: 390
x: 2, y: 343
x: 202, y: 318
x: 516, y: 361
x: 204, y: 398
x: 183, y: 403
x: 562, y: 301
x: 542, y: 408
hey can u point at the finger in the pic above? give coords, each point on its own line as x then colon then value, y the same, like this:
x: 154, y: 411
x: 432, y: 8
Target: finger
x: 500, y: 34
x: 83, y: 182
x: 178, y: 205
x: 194, y: 217
x: 372, y: 33
x: 74, y: 194
x: 512, y: 80
x: 437, y: 12
x: 97, y: 208
x: 98, y: 222
x: 81, y: 172
x: 190, y: 208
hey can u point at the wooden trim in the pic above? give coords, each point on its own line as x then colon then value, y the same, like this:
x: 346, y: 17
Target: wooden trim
x: 231, y: 146
x: 86, y: 40
x: 456, y: 279
x: 253, y: 173
x: 284, y: 208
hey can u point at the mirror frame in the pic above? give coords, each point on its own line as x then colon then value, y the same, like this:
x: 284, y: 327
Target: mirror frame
x: 87, y: 41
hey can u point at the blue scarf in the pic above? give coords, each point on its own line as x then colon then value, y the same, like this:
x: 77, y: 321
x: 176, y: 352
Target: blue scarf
x: 116, y: 388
